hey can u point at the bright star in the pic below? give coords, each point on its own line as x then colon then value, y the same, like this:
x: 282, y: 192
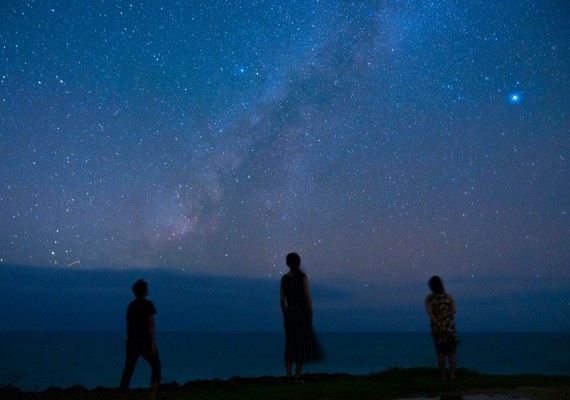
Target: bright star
x: 515, y: 98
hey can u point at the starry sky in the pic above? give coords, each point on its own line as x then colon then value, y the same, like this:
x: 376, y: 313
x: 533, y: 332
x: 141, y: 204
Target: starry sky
x: 384, y: 141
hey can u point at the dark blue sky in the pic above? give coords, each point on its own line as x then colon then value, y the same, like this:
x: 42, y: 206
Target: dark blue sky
x: 384, y: 141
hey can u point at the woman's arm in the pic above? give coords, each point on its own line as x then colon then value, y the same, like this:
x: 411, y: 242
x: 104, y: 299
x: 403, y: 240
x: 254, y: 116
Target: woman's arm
x: 282, y: 300
x: 430, y: 311
x: 308, y: 294
x: 453, y: 306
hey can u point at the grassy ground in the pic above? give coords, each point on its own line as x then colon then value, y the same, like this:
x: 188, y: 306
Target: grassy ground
x: 392, y: 384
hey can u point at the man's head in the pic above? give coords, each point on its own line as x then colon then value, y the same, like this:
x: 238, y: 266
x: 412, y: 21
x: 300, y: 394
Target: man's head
x: 140, y: 289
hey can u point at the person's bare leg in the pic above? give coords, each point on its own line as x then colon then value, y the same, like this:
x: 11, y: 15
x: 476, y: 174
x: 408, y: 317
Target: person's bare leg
x: 153, y: 391
x: 452, y: 364
x: 441, y: 364
x: 288, y: 366
x: 298, y: 370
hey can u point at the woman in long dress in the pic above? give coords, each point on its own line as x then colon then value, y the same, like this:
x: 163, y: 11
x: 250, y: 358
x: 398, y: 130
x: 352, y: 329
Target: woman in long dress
x: 301, y: 346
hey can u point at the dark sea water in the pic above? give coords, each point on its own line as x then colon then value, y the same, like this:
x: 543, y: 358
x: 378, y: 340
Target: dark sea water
x: 38, y: 360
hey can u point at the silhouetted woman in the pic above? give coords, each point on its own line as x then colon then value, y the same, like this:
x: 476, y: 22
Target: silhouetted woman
x: 301, y: 345
x: 441, y: 308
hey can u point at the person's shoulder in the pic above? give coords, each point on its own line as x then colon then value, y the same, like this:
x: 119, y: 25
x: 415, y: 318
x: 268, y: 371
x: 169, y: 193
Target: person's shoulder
x: 147, y: 307
x: 141, y: 302
x: 148, y: 303
x: 134, y: 303
x: 292, y: 274
x: 134, y: 307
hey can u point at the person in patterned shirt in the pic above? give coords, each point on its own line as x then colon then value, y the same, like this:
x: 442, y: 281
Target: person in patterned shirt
x: 441, y: 308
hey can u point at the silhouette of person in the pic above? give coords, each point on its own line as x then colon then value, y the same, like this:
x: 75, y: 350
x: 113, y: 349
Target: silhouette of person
x: 441, y: 308
x: 301, y: 346
x: 141, y: 339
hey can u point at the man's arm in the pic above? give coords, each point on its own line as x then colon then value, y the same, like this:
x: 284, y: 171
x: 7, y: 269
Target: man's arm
x: 152, y: 328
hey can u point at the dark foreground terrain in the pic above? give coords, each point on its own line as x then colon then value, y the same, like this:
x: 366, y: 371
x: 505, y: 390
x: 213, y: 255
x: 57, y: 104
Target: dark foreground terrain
x: 395, y: 383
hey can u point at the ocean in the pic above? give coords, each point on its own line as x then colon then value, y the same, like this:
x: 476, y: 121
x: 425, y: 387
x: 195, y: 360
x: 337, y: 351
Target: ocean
x: 38, y: 360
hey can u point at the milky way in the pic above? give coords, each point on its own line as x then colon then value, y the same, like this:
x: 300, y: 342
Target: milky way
x: 381, y: 140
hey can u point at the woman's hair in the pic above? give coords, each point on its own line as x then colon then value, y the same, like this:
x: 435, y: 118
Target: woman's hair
x: 140, y: 288
x: 293, y: 261
x: 436, y: 285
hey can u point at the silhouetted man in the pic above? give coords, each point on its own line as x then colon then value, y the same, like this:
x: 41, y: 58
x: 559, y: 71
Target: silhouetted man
x: 141, y: 338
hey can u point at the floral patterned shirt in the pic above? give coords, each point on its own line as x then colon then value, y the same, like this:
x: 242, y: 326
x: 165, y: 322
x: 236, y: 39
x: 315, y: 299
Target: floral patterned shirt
x: 443, y: 329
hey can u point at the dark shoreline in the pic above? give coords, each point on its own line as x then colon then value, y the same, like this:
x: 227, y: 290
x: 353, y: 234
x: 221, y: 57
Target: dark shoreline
x: 390, y: 384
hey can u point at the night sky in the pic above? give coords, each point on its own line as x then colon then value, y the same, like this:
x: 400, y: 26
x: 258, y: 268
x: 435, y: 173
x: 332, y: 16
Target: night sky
x: 384, y: 141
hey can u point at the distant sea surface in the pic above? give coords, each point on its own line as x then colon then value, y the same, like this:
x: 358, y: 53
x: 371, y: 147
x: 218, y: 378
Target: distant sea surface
x: 38, y: 360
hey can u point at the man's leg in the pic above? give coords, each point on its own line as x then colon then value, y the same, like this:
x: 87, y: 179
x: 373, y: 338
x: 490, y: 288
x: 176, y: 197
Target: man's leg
x: 156, y: 372
x: 131, y: 357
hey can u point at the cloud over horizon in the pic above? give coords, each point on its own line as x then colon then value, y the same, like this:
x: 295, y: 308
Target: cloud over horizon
x: 44, y: 298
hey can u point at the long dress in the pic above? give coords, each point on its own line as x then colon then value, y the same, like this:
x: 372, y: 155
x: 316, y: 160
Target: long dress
x: 301, y: 345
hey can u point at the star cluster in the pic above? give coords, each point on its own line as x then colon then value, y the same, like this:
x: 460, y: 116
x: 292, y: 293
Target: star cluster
x: 380, y: 140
